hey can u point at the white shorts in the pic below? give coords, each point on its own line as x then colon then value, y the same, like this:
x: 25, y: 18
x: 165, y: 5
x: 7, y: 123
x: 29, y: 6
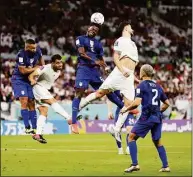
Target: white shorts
x: 41, y: 93
x: 117, y: 81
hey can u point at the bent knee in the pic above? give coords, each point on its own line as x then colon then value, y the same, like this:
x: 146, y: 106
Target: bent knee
x: 132, y: 137
x: 101, y: 93
x: 43, y: 110
x: 157, y: 143
x: 24, y: 102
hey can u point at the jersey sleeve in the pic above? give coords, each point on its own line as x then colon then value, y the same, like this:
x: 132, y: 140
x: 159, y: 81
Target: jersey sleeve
x: 163, y: 96
x: 117, y: 45
x: 139, y: 90
x: 79, y: 42
x: 20, y: 59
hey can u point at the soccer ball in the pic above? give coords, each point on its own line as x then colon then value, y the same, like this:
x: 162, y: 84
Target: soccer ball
x: 97, y: 18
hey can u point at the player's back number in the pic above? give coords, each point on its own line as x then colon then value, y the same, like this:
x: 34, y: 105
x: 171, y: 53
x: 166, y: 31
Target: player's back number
x: 154, y: 101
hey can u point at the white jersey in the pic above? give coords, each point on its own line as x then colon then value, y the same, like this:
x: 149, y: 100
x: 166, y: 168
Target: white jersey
x: 127, y: 48
x: 47, y: 76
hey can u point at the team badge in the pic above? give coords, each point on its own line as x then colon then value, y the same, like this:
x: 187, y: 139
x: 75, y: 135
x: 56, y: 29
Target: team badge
x: 20, y: 59
x: 80, y: 84
x: 31, y: 60
x: 22, y: 92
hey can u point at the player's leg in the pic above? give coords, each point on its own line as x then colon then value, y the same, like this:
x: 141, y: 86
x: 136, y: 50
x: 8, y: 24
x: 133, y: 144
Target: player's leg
x: 57, y: 108
x: 43, y: 111
x: 156, y: 137
x: 32, y: 111
x: 32, y: 114
x: 119, y: 144
x: 20, y: 92
x: 129, y: 123
x: 140, y: 129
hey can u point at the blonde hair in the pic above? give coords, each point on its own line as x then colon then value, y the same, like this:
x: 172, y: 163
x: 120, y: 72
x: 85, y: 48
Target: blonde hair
x: 147, y: 70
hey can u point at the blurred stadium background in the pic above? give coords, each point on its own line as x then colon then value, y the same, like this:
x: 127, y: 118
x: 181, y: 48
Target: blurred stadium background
x: 163, y: 34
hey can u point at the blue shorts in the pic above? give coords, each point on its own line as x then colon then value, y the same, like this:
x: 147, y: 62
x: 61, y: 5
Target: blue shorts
x: 22, y: 89
x: 86, y: 76
x: 141, y: 128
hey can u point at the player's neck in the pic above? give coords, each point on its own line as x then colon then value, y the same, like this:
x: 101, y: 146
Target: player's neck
x: 146, y: 78
x: 126, y: 35
x: 53, y: 68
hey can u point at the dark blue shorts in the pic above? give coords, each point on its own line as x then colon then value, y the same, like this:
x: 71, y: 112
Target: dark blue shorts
x: 22, y: 89
x: 141, y: 128
x: 86, y: 76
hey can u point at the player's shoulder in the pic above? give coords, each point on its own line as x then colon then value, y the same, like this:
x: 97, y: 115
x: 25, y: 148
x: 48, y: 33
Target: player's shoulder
x: 81, y: 37
x: 20, y: 52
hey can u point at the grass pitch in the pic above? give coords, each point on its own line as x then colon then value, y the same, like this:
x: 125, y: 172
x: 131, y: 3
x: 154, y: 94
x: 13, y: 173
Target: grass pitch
x: 90, y: 155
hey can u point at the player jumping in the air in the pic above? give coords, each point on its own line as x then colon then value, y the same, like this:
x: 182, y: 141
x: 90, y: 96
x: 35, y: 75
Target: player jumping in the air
x: 42, y: 80
x: 90, y: 60
x: 26, y: 62
x: 122, y: 77
x: 149, y: 95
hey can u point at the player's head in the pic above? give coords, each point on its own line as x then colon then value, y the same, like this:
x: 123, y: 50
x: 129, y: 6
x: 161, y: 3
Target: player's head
x: 30, y: 45
x: 56, y: 61
x: 93, y: 30
x: 125, y: 29
x: 146, y: 72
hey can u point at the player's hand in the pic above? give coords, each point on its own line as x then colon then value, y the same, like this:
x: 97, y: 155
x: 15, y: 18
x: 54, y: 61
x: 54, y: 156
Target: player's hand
x: 110, y: 116
x: 107, y: 70
x: 33, y: 82
x: 101, y: 63
x: 123, y: 110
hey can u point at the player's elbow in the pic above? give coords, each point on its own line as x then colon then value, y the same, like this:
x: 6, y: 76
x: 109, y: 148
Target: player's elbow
x: 21, y: 70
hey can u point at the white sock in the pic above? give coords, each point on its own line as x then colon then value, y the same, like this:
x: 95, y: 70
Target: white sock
x: 60, y: 110
x: 91, y: 97
x: 40, y: 124
x: 120, y: 121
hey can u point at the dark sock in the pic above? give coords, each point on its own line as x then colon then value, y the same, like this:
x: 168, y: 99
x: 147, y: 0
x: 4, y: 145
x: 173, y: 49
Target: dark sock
x: 25, y: 116
x: 162, y: 154
x: 119, y: 145
x: 75, y: 109
x: 33, y: 118
x: 133, y: 152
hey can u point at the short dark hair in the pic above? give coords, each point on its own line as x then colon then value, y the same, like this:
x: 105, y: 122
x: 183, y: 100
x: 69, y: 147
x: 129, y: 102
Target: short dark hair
x: 55, y: 57
x: 122, y: 26
x: 30, y: 41
x: 95, y: 24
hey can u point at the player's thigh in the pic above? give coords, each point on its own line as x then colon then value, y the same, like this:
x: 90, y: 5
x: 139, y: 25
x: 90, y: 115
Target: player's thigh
x: 141, y: 129
x: 43, y: 110
x: 114, y: 81
x: 31, y: 104
x: 19, y: 89
x: 81, y: 84
x: 30, y: 92
x: 156, y: 131
x: 41, y: 93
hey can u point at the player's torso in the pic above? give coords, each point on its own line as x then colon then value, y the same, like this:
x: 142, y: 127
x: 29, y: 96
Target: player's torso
x: 91, y: 46
x: 48, y: 78
x: 151, y: 99
x: 28, y: 60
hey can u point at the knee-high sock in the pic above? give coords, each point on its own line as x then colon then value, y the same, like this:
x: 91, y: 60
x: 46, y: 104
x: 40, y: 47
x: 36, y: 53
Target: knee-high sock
x: 119, y: 144
x: 120, y: 121
x: 115, y: 99
x: 162, y: 154
x: 33, y: 118
x: 40, y: 124
x: 133, y: 152
x: 60, y: 110
x: 25, y: 116
x: 91, y: 97
x: 75, y: 109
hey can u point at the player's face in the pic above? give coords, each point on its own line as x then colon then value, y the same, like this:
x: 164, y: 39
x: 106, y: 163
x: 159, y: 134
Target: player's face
x: 30, y: 47
x: 92, y: 31
x: 129, y: 29
x: 58, y: 65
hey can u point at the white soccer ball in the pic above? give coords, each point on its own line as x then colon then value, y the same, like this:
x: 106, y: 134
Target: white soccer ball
x: 98, y: 18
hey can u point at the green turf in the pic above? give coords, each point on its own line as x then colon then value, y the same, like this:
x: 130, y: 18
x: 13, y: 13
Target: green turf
x: 90, y: 154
